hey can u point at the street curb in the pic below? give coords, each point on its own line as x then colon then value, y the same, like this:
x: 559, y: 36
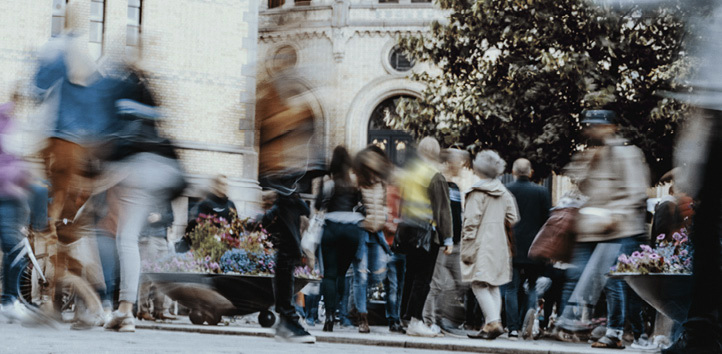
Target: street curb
x: 446, y: 343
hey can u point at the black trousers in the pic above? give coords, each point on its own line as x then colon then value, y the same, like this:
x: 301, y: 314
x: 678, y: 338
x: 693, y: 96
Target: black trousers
x: 287, y: 258
x: 339, y: 244
x: 704, y: 318
x: 419, y: 271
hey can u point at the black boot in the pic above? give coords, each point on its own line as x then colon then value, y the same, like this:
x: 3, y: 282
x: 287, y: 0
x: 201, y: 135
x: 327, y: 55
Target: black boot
x: 328, y: 326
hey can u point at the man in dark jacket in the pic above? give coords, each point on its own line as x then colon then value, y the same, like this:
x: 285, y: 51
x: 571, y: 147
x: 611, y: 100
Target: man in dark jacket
x: 217, y: 202
x: 534, y: 204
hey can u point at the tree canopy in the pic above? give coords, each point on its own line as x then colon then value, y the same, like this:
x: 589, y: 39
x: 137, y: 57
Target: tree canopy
x: 514, y: 75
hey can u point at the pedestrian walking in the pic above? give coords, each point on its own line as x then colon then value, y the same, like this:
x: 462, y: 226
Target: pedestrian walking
x: 614, y: 175
x: 486, y: 254
x: 396, y: 266
x: 153, y: 244
x: 426, y: 221
x: 14, y: 181
x: 447, y: 289
x: 340, y: 197
x: 534, y: 203
x: 372, y: 168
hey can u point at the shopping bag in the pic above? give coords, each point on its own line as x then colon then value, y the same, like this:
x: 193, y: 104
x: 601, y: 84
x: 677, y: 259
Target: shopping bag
x: 312, y: 236
x: 555, y: 241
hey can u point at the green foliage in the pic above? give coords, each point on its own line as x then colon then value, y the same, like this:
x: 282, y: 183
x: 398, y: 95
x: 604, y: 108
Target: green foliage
x: 515, y: 74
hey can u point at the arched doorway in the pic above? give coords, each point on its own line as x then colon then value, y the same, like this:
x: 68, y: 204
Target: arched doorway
x: 396, y: 143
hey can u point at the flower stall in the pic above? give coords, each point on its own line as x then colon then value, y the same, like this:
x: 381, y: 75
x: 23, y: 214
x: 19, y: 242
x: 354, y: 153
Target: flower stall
x: 227, y: 272
x: 661, y: 275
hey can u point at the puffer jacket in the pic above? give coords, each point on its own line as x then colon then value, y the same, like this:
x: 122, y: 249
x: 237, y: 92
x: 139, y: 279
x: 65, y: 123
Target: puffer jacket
x: 374, y: 201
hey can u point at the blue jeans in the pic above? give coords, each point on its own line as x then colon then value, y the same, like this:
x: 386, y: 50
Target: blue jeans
x: 370, y: 258
x: 109, y: 262
x: 394, y: 285
x: 345, y: 288
x: 311, y: 308
x: 38, y: 207
x: 588, y: 293
x: 514, y: 292
x: 13, y: 213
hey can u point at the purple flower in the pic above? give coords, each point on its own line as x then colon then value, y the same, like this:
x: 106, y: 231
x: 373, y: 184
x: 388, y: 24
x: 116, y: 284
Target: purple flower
x: 677, y: 236
x: 661, y: 237
x: 636, y: 254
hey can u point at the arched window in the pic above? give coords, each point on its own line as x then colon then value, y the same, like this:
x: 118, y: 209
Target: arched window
x: 396, y: 143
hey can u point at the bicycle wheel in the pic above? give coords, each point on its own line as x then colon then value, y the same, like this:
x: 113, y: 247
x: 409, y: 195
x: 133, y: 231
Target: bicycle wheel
x: 74, y: 289
x: 25, y: 285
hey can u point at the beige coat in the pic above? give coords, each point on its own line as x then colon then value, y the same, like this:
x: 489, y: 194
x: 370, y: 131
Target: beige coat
x: 615, y: 178
x: 485, y: 253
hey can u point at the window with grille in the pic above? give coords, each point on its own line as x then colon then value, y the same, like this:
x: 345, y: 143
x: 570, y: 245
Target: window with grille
x: 133, y: 30
x: 399, y: 61
x: 275, y: 3
x: 58, y: 17
x: 97, y: 28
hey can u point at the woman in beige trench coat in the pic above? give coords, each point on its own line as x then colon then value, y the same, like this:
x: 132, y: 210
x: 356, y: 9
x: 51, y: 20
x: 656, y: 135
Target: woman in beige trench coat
x: 485, y: 252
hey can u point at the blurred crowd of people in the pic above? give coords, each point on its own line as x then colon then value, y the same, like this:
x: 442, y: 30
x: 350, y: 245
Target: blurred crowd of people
x: 429, y: 236
x: 103, y: 201
x: 434, y: 239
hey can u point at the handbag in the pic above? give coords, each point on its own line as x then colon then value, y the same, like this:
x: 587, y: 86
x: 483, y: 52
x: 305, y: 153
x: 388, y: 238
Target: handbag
x: 411, y: 237
x: 312, y: 236
x: 555, y: 240
x: 595, y: 221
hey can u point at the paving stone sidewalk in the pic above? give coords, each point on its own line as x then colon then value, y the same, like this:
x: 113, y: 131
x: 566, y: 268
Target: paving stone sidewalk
x: 380, y: 336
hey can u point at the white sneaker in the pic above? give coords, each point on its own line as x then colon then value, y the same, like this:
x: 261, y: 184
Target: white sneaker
x: 121, y: 322
x: 644, y: 343
x: 15, y: 312
x: 435, y: 328
x: 420, y: 329
x: 104, y: 317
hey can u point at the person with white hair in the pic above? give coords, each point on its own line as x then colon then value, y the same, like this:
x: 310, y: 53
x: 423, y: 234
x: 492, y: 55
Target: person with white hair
x: 426, y: 225
x: 486, y: 250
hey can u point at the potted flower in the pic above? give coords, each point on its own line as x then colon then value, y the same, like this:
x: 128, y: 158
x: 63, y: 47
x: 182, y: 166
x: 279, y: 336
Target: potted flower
x: 229, y: 271
x: 661, y: 276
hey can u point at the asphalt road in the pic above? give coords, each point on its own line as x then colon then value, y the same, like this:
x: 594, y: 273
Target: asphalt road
x: 16, y: 339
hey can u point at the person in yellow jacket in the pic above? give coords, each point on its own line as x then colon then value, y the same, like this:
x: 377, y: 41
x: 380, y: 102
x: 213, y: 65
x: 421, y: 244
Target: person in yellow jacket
x: 424, y: 207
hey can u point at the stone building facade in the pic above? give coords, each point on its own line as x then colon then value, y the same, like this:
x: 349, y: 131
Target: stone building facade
x: 345, y: 52
x: 200, y: 56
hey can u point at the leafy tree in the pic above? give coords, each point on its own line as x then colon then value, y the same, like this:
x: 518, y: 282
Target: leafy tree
x: 513, y: 75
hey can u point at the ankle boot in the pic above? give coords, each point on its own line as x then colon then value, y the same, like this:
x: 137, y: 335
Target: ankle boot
x: 363, y: 323
x: 328, y: 326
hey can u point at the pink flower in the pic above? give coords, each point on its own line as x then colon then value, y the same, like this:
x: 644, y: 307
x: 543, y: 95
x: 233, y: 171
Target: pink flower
x: 636, y: 254
x: 661, y: 237
x: 677, y: 236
